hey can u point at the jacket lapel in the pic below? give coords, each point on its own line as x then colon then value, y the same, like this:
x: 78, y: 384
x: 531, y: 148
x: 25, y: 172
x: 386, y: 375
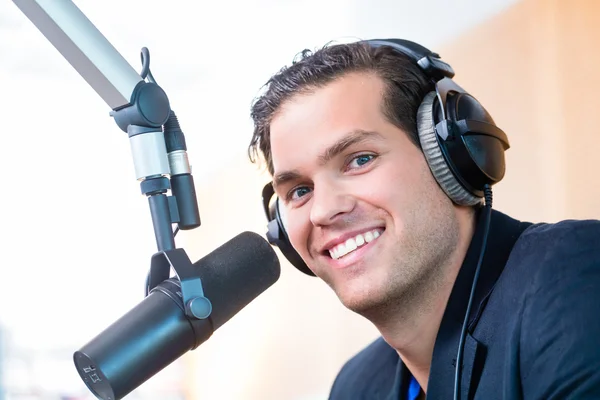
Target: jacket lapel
x: 504, y: 232
x: 470, y: 355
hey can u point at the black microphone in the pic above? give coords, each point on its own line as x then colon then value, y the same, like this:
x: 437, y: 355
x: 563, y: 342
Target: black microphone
x: 157, y: 331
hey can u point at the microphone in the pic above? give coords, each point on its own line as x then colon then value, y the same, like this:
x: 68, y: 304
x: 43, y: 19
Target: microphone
x: 180, y: 313
x: 157, y: 331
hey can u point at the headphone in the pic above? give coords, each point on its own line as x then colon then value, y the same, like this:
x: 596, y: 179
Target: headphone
x: 462, y: 145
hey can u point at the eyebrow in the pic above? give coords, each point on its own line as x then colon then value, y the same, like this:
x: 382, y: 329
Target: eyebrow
x: 354, y: 137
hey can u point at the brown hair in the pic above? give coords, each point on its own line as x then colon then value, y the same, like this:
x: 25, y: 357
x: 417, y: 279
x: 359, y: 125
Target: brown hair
x: 406, y: 86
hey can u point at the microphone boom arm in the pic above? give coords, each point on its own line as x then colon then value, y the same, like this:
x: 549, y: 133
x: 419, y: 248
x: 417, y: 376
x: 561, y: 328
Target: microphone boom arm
x: 138, y: 107
x: 85, y: 48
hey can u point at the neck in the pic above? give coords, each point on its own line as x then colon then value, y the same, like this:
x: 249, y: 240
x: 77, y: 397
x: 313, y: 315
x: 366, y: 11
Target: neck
x: 411, y: 325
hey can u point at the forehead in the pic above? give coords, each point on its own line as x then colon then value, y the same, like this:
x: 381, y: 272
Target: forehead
x: 309, y: 122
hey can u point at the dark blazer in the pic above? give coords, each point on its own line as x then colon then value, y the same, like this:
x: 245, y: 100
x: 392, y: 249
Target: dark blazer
x: 534, y: 330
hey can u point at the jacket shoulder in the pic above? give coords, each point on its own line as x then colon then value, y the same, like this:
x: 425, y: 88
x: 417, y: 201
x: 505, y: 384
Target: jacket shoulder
x: 559, y: 355
x: 557, y: 250
x: 580, y: 229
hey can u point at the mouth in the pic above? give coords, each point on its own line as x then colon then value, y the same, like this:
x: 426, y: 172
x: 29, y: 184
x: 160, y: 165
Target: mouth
x: 352, y: 244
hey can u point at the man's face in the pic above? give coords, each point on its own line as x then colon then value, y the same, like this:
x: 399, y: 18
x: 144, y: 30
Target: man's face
x: 362, y: 208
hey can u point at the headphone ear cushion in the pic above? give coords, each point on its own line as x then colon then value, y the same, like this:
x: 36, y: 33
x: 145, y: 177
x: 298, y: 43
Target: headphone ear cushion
x: 281, y: 213
x: 278, y: 235
x: 435, y: 157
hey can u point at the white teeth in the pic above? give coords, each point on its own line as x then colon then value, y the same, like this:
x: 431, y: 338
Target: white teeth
x: 337, y: 251
x: 353, y: 243
x: 360, y: 240
x: 350, y: 245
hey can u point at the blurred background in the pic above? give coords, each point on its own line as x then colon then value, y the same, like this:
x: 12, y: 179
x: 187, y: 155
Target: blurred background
x: 76, y: 232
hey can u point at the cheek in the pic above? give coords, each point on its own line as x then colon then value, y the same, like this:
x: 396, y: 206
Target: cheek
x: 398, y: 189
x: 298, y: 229
x: 389, y: 187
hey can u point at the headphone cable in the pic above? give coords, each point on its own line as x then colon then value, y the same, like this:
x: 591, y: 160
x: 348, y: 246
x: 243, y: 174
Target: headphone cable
x: 487, y: 211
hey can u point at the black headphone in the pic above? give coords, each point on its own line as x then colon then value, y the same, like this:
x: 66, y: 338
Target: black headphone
x: 462, y: 145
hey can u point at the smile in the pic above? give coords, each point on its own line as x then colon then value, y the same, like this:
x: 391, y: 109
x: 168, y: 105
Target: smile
x: 354, y: 243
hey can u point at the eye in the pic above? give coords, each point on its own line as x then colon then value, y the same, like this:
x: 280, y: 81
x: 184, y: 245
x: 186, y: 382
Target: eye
x: 360, y: 161
x: 298, y: 192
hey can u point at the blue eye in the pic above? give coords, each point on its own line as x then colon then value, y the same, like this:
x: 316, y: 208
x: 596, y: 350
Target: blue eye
x: 361, y: 160
x: 299, y: 192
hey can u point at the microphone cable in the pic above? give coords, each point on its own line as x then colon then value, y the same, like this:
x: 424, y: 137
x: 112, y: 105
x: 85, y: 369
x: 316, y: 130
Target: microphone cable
x: 487, y: 213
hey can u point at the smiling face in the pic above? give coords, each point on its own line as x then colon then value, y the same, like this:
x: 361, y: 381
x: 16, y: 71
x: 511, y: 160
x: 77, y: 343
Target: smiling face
x: 362, y: 207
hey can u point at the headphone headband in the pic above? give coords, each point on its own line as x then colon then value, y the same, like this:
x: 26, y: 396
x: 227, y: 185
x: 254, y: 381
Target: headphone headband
x: 428, y: 61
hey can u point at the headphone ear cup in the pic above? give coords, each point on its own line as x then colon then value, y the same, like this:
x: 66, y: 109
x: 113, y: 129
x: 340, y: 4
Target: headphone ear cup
x: 435, y: 157
x: 277, y: 236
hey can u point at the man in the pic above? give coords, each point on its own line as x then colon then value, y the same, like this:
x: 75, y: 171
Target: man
x: 375, y: 200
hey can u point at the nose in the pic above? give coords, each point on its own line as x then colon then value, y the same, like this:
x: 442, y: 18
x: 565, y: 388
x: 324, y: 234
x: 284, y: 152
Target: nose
x: 329, y: 204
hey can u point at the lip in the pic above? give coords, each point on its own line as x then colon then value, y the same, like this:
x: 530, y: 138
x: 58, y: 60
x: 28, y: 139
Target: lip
x: 353, y: 257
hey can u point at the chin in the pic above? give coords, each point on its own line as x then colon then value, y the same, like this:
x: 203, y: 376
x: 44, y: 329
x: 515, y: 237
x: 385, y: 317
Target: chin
x: 361, y: 296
